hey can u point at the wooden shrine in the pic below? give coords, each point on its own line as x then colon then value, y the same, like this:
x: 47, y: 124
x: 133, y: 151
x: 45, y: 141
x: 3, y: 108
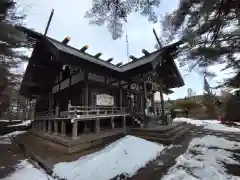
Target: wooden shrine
x: 79, y: 93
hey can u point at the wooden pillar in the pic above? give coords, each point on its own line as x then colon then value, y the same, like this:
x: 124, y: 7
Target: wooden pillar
x: 153, y: 103
x: 57, y: 110
x: 86, y: 99
x: 49, y: 126
x: 41, y: 125
x: 121, y: 96
x: 74, y: 129
x: 124, y: 122
x: 38, y: 124
x: 34, y: 124
x: 97, y: 126
x: 63, y: 128
x: 55, y: 126
x: 112, y: 123
x: 44, y: 126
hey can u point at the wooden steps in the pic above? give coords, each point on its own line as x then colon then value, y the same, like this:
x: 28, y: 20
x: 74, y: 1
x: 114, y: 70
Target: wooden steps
x: 165, y: 135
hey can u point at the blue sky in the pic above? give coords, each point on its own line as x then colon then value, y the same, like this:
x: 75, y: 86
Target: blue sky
x: 69, y: 20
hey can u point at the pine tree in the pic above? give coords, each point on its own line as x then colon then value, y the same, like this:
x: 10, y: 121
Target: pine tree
x: 10, y: 41
x: 115, y: 12
x: 210, y: 30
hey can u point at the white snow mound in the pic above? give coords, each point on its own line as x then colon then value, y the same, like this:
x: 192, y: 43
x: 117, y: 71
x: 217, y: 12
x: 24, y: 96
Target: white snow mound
x: 125, y: 156
x: 5, y: 138
x: 25, y: 171
x: 208, y: 124
x: 205, y: 159
x: 24, y: 123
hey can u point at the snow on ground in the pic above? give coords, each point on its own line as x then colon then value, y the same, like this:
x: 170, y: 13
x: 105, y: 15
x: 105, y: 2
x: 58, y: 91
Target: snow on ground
x: 5, y: 138
x: 125, y: 156
x: 208, y: 124
x: 24, y: 123
x: 25, y: 171
x: 205, y: 159
x: 3, y: 120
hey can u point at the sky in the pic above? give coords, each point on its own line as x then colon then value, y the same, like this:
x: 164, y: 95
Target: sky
x: 68, y: 20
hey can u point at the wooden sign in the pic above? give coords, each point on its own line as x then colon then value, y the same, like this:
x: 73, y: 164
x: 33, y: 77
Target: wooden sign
x: 105, y: 100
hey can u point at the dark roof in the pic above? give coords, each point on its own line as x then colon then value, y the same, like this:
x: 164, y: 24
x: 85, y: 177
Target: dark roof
x: 72, y: 56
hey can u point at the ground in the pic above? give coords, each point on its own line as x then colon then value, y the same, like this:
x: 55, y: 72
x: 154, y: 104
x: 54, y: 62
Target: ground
x: 209, y: 151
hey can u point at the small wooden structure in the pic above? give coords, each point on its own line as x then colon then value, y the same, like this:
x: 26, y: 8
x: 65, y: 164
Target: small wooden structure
x: 77, y: 92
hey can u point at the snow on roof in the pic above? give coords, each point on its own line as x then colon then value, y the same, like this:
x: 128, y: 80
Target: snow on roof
x: 208, y: 124
x: 125, y: 156
x: 202, y: 161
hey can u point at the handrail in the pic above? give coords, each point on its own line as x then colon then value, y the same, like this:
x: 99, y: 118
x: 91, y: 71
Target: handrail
x: 75, y: 111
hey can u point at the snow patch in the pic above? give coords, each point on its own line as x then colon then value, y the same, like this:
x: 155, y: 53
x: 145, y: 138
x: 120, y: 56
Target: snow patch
x: 3, y: 120
x: 15, y: 133
x: 208, y: 124
x: 5, y: 138
x: 125, y: 156
x: 24, y: 123
x: 25, y: 171
x: 205, y: 159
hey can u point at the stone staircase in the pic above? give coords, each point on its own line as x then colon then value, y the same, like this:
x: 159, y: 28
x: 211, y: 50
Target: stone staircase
x: 163, y: 134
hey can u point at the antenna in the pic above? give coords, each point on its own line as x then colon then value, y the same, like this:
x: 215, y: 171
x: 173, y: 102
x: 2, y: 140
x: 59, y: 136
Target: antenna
x: 127, y: 48
x: 49, y: 22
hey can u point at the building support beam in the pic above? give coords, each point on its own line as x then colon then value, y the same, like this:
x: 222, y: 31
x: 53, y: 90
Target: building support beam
x: 121, y: 97
x: 57, y: 110
x: 44, y: 126
x: 153, y: 104
x: 112, y: 123
x: 124, y: 123
x: 55, y: 124
x: 74, y: 129
x: 97, y: 126
x: 34, y: 124
x: 63, y: 128
x: 38, y: 124
x: 49, y: 126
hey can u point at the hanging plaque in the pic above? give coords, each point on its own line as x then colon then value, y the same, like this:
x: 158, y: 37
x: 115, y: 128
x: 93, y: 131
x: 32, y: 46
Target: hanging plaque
x: 105, y: 100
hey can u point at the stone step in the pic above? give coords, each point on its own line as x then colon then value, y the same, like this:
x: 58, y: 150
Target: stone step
x: 165, y: 140
x: 160, y: 129
x: 158, y: 134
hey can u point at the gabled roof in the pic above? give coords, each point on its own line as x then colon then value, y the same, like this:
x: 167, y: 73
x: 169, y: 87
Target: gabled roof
x: 66, y: 54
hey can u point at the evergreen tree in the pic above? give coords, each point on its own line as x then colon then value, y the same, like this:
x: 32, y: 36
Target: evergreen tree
x: 115, y: 12
x: 210, y: 30
x: 10, y: 41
